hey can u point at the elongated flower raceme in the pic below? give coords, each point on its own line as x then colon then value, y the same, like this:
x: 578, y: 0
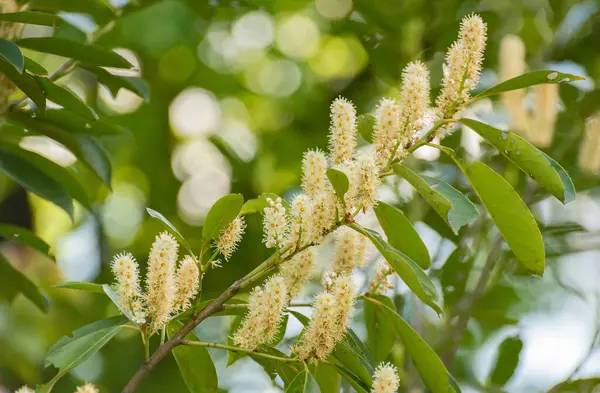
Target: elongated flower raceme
x: 265, y: 311
x: 275, y: 224
x: 332, y: 309
x: 188, y: 277
x: 385, y: 379
x: 87, y: 388
x: 127, y: 287
x: 462, y: 67
x: 381, y: 282
x: 296, y: 272
x: 322, y: 217
x: 364, y: 181
x: 230, y: 237
x: 387, y: 129
x: 161, y: 286
x: 589, y: 155
x: 302, y: 208
x: 24, y: 389
x: 349, y: 252
x: 314, y: 172
x: 414, y: 98
x: 342, y: 132
x: 544, y: 115
x: 512, y: 64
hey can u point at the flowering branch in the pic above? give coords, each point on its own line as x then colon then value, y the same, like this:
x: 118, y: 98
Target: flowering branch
x: 238, y: 349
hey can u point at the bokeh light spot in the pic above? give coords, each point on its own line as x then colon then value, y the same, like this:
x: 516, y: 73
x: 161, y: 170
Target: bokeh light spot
x: 177, y: 64
x: 254, y: 30
x: 194, y: 112
x: 298, y: 36
x: 334, y: 9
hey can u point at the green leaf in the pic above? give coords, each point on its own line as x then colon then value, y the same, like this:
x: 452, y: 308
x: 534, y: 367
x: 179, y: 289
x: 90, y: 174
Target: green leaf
x: 12, y: 282
x: 34, y: 67
x: 35, y: 180
x: 327, y: 377
x: 66, y: 99
x: 401, y: 234
x: 25, y: 237
x: 76, y: 124
x: 257, y: 205
x: 69, y: 352
x: 426, y: 361
x: 408, y: 270
x: 585, y: 385
x: 221, y: 214
x: 540, y: 167
x: 232, y: 356
x: 31, y: 18
x: 366, y: 124
x: 65, y: 177
x: 352, y: 379
x: 303, y: 383
x: 286, y: 370
x: 167, y: 224
x: 114, y: 298
x: 339, y: 181
x: 454, y: 208
x: 99, y: 9
x: 95, y: 157
x: 81, y: 286
x: 114, y: 83
x: 87, y: 53
x: 454, y: 277
x: 528, y: 79
x: 196, y: 366
x: 507, y: 361
x: 380, y: 330
x: 10, y: 52
x: 25, y: 82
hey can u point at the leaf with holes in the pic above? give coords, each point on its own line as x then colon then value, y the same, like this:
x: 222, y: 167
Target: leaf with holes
x: 528, y: 79
x: 539, y: 166
x: 401, y: 234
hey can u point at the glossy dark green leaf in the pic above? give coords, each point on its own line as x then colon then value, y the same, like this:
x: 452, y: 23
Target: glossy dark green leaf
x: 455, y: 274
x: 528, y: 79
x: 303, y: 383
x: 510, y: 214
x: 584, y: 385
x: 35, y: 180
x: 25, y: 237
x: 27, y: 83
x: 76, y: 124
x: 163, y: 220
x: 352, y: 379
x: 195, y: 364
x: 66, y: 99
x: 221, y: 214
x: 81, y: 286
x: 65, y: 177
x: 380, y: 330
x: 408, y: 270
x: 454, y: 208
x: 365, y: 126
x: 95, y: 157
x: 257, y: 205
x: 69, y: 352
x: 34, y: 67
x: 114, y: 83
x: 30, y: 17
x: 286, y: 370
x: 507, y: 361
x: 12, y: 282
x: 539, y: 166
x: 401, y: 234
x: 426, y: 361
x: 327, y: 377
x: 10, y: 52
x: 339, y: 181
x: 87, y: 53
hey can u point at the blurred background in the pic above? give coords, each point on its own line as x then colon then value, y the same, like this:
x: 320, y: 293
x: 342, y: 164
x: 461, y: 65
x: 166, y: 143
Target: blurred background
x: 239, y: 90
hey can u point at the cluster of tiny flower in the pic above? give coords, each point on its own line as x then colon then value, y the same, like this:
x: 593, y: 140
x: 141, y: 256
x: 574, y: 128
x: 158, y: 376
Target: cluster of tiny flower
x: 381, y: 282
x: 230, y: 237
x: 332, y: 309
x: 350, y: 252
x: 296, y: 272
x: 462, y: 67
x: 385, y: 379
x: 87, y: 388
x: 168, y: 289
x: 265, y: 310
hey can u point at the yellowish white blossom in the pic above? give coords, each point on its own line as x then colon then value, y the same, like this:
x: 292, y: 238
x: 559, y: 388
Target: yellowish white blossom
x: 589, y: 155
x: 188, y: 277
x: 265, y: 311
x: 24, y: 389
x: 87, y: 388
x: 385, y: 379
x: 314, y: 172
x: 414, y: 99
x: 127, y: 288
x: 161, y: 286
x: 230, y: 237
x: 296, y: 272
x: 275, y: 224
x: 364, y: 181
x: 386, y: 133
x: 462, y: 66
x: 322, y: 217
x: 349, y: 251
x: 381, y: 282
x: 512, y: 64
x: 544, y: 115
x: 342, y: 132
